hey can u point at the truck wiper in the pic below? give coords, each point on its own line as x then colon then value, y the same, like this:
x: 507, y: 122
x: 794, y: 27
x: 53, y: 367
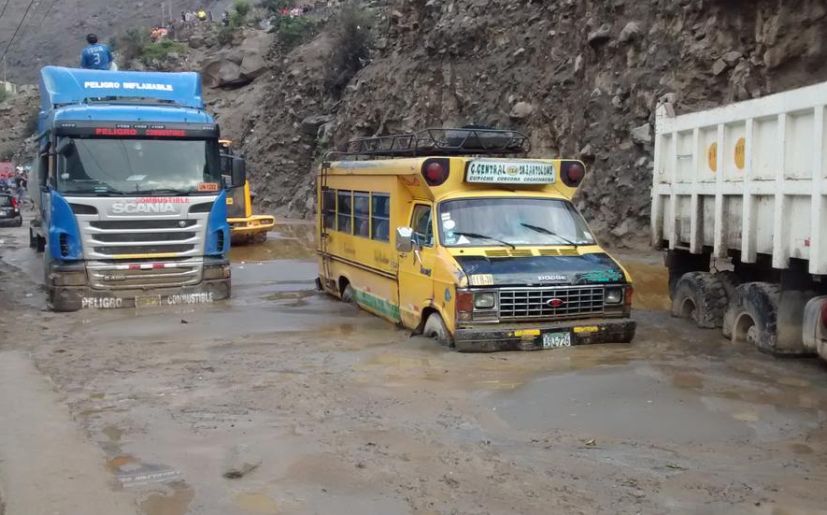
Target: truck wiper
x: 484, y: 237
x: 543, y: 230
x: 165, y: 191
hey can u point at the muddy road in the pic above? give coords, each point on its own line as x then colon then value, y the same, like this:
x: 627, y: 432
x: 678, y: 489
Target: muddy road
x: 320, y: 408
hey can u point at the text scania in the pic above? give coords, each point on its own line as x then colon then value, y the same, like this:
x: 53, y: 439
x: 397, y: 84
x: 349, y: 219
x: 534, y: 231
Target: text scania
x: 122, y: 208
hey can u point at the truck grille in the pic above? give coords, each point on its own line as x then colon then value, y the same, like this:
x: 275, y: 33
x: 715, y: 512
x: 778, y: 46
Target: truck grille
x: 121, y: 277
x: 143, y: 249
x: 537, y: 303
x: 114, y: 239
x: 120, y: 225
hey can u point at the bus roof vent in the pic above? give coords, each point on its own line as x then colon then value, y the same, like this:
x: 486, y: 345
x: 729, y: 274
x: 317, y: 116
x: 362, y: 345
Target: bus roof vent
x: 469, y: 140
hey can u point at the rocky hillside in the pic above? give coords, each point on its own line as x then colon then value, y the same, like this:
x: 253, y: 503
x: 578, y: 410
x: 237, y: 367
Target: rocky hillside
x: 582, y: 78
x: 54, y: 31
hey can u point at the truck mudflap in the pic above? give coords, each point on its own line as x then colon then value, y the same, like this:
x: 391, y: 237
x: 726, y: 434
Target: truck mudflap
x: 81, y: 296
x: 543, y: 336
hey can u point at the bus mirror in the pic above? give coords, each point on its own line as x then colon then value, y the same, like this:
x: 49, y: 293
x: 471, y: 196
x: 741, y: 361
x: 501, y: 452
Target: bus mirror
x: 404, y: 239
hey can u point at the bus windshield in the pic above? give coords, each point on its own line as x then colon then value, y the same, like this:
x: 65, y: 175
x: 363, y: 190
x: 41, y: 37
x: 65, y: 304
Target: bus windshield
x: 483, y: 222
x: 138, y: 166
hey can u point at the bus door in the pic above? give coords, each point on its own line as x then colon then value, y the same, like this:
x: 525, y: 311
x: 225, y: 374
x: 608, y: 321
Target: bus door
x: 416, y: 286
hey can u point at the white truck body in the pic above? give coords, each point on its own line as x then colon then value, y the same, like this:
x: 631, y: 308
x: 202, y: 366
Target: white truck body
x: 747, y: 182
x: 750, y: 177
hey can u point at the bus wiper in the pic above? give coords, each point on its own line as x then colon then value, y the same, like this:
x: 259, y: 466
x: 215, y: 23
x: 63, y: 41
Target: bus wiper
x: 484, y: 237
x: 543, y: 230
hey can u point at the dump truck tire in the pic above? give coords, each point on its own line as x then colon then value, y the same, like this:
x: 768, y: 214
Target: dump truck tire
x: 752, y: 315
x: 702, y: 297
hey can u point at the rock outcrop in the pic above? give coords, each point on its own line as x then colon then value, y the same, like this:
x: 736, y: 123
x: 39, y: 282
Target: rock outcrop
x: 580, y: 78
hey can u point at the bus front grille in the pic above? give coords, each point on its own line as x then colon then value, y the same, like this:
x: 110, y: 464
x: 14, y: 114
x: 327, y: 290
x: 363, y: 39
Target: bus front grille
x: 551, y: 303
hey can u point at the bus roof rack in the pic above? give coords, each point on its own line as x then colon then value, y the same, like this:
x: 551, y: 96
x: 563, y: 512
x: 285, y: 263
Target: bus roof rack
x: 438, y: 142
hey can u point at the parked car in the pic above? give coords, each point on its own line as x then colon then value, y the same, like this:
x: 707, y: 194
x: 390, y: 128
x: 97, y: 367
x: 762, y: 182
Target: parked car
x: 9, y: 211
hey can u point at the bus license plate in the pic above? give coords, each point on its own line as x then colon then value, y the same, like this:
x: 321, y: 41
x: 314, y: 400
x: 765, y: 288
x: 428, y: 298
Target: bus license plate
x: 555, y: 340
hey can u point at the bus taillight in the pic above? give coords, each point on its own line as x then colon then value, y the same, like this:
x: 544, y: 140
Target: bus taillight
x: 436, y: 171
x: 572, y: 172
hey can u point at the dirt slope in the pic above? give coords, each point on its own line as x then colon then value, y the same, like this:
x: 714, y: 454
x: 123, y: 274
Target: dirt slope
x: 54, y: 31
x: 581, y: 78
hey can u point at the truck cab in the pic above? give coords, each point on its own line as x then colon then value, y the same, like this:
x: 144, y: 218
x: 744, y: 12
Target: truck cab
x: 130, y: 199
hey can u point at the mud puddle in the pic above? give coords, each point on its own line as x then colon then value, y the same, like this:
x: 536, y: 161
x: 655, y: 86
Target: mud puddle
x: 289, y: 240
x: 624, y: 403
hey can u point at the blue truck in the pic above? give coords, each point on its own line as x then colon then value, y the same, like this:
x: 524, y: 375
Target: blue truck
x: 130, y: 191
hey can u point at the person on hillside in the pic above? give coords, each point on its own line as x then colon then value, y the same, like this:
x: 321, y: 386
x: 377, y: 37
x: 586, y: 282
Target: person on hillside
x: 201, y: 14
x: 96, y: 56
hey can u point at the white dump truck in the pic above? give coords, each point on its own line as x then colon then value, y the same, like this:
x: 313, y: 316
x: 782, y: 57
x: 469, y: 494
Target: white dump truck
x: 738, y: 203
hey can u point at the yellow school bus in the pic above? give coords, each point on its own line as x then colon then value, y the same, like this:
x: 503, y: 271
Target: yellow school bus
x: 245, y: 227
x: 454, y: 234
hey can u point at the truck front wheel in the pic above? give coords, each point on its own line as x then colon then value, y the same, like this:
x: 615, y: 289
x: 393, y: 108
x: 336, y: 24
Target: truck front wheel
x: 702, y: 297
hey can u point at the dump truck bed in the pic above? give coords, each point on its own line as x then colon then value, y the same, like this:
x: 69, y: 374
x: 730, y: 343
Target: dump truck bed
x: 749, y: 178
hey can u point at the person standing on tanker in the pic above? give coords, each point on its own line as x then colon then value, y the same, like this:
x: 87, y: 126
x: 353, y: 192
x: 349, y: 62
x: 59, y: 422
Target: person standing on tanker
x: 96, y: 56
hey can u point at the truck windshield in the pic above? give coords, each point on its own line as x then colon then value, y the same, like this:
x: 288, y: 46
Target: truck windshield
x: 483, y: 222
x: 138, y: 166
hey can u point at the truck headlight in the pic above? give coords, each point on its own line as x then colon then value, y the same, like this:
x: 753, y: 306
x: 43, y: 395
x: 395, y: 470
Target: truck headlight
x: 484, y: 300
x: 614, y: 296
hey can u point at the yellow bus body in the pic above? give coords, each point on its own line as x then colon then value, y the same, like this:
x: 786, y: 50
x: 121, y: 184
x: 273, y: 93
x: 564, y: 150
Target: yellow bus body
x: 406, y: 288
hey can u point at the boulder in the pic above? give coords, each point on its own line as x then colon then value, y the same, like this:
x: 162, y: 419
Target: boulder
x: 253, y: 65
x: 642, y: 134
x: 600, y: 36
x: 221, y: 73
x: 578, y: 64
x: 719, y: 67
x: 196, y: 41
x: 521, y: 111
x: 732, y: 57
x: 630, y: 32
x: 311, y: 124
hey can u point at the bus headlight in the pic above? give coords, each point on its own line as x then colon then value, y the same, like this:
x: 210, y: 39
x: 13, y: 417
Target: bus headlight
x: 484, y: 300
x: 613, y: 296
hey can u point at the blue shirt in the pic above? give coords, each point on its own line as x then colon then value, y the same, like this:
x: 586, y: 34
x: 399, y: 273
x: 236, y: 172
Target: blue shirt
x: 96, y: 57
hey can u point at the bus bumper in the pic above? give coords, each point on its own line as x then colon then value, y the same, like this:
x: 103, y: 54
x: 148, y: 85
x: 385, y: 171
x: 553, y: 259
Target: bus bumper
x: 66, y: 293
x: 504, y: 337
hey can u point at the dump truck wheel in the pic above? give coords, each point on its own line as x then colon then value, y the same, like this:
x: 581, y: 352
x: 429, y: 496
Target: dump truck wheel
x: 702, y: 297
x: 435, y: 328
x: 753, y: 315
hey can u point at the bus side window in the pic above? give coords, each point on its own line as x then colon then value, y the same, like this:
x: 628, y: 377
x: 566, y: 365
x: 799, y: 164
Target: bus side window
x: 329, y: 208
x: 380, y: 217
x: 344, y: 211
x: 361, y: 214
x: 422, y: 226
